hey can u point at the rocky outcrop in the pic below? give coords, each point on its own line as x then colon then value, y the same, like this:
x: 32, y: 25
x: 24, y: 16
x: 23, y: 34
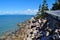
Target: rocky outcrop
x: 39, y: 30
x: 35, y: 30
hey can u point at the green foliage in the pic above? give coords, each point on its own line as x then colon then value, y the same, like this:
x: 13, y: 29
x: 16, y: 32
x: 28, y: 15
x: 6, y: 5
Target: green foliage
x: 42, y: 14
x: 42, y: 9
x: 56, y: 5
x: 38, y: 16
x: 45, y: 5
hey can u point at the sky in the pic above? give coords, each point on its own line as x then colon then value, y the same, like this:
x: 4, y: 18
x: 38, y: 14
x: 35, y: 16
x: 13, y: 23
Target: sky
x: 28, y: 7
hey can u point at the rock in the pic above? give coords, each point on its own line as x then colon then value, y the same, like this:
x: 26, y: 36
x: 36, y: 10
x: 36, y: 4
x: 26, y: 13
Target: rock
x: 47, y: 33
x: 28, y: 38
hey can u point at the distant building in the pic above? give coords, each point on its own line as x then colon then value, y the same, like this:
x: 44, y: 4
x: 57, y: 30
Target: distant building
x: 54, y: 18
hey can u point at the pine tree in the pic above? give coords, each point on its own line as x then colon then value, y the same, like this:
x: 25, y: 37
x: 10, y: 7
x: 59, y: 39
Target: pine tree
x: 44, y: 5
x: 56, y: 5
x: 44, y: 8
x: 38, y: 15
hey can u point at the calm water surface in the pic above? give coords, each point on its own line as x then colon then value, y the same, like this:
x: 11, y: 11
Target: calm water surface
x: 9, y: 22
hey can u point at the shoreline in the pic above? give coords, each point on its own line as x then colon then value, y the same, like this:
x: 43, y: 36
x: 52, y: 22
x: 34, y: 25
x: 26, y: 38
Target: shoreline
x: 7, y: 25
x: 8, y: 32
x: 33, y: 29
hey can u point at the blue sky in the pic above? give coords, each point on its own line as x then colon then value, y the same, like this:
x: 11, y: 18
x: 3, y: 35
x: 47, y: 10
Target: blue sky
x: 21, y: 6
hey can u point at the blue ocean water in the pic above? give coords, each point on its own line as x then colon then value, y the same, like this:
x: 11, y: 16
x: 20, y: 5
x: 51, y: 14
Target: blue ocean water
x: 9, y: 22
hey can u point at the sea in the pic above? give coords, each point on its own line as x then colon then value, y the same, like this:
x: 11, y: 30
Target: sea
x: 9, y: 23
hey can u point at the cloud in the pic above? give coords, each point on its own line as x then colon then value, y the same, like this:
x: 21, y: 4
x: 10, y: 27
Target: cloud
x: 27, y: 12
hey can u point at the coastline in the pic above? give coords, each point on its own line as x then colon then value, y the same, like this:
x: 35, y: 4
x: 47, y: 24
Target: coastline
x: 33, y: 29
x: 19, y: 32
x: 8, y: 23
x: 9, y: 33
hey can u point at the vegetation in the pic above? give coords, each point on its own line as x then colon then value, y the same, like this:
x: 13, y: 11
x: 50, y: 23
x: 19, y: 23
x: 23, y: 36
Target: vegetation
x: 42, y: 8
x: 56, y: 5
